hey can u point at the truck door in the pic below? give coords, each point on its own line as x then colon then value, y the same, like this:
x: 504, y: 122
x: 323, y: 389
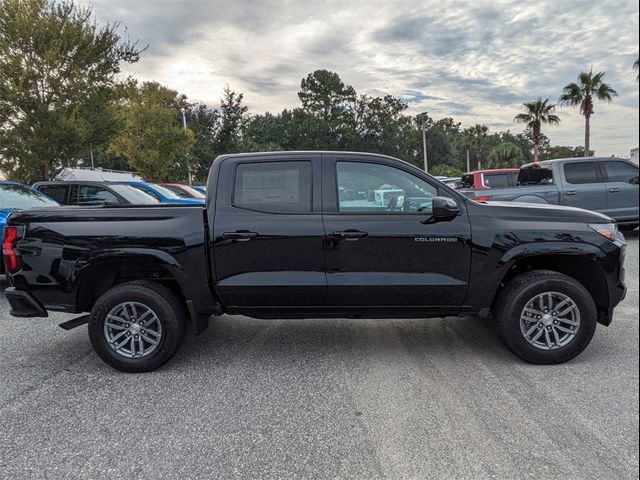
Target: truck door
x: 622, y: 189
x: 583, y: 186
x: 381, y: 248
x: 268, y: 233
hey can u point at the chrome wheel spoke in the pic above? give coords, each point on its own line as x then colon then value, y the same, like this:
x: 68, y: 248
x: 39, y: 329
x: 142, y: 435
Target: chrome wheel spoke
x: 148, y: 339
x: 564, y: 329
x: 538, y: 335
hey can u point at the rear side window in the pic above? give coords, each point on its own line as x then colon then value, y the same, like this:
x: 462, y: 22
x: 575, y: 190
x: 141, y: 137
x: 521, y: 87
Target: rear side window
x: 620, y: 171
x: 581, y: 172
x: 93, y: 195
x: 276, y: 187
x: 57, y: 192
x: 496, y: 180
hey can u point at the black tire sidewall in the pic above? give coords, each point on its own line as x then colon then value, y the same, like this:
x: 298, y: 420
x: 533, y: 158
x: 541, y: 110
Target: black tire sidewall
x: 157, y: 300
x: 510, y: 320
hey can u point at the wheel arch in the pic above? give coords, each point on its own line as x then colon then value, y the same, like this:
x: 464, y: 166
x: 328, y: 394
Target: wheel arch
x: 93, y: 278
x: 582, y: 268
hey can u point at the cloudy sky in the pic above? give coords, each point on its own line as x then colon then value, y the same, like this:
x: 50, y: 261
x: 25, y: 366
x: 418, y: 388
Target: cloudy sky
x: 476, y: 61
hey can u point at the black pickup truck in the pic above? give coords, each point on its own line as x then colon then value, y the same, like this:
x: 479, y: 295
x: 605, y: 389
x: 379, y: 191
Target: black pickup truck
x: 316, y: 234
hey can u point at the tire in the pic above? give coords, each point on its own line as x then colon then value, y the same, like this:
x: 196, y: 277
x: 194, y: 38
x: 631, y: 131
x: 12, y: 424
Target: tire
x: 549, y: 286
x: 165, y: 325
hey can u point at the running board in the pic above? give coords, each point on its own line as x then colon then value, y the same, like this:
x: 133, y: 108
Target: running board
x: 75, y: 322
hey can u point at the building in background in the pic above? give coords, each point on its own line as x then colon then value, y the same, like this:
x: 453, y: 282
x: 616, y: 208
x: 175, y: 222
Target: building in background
x: 634, y: 155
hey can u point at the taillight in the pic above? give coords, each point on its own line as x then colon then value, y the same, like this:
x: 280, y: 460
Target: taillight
x: 481, y: 198
x: 9, y: 238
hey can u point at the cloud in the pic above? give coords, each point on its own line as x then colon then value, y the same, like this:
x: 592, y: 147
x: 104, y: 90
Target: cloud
x: 475, y: 60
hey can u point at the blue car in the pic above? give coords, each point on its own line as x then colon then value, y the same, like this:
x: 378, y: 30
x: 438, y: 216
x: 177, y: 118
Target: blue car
x: 15, y: 196
x: 163, y: 195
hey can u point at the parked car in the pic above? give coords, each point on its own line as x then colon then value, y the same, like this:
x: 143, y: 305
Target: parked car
x: 184, y: 191
x: 494, y: 178
x: 453, y: 182
x: 93, y: 193
x: 15, y: 196
x: 605, y: 185
x: 200, y: 188
x: 162, y: 194
x: 278, y: 241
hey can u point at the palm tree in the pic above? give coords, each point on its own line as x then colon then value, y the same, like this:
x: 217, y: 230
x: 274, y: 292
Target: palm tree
x: 589, y: 87
x: 535, y: 114
x: 479, y: 133
x: 506, y: 155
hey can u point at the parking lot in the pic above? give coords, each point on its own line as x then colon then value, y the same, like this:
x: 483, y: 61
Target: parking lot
x: 321, y: 399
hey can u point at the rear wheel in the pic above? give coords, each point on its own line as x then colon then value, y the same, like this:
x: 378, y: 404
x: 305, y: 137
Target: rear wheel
x: 545, y: 317
x: 137, y: 326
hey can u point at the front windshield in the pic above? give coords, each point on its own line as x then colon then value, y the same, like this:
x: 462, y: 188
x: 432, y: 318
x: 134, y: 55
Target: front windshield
x: 133, y: 195
x: 20, y: 196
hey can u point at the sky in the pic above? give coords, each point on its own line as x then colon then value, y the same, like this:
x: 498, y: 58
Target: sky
x: 476, y: 61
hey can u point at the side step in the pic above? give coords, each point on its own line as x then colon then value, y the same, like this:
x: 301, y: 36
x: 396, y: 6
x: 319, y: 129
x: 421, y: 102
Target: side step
x: 75, y: 322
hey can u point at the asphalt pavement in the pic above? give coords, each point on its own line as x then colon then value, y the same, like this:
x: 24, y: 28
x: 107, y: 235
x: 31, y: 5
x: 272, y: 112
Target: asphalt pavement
x: 436, y: 398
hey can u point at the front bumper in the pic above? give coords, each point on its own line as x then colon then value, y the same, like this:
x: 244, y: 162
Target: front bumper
x: 24, y: 304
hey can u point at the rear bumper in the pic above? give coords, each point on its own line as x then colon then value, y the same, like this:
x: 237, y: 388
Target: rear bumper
x: 23, y: 304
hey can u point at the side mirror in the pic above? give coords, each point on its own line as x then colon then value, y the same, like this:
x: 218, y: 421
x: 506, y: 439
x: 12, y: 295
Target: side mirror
x: 633, y: 181
x: 444, y: 207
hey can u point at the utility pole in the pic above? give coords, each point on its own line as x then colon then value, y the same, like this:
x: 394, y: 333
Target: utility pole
x: 92, y: 165
x: 184, y: 124
x: 468, y: 160
x: 424, y: 148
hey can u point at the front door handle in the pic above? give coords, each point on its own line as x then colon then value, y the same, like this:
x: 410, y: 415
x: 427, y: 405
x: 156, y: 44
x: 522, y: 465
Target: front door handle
x: 350, y: 234
x: 240, y: 235
x: 614, y: 190
x: 570, y: 192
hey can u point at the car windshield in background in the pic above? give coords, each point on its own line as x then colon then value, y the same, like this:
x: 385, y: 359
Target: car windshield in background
x: 164, y: 191
x: 133, y: 195
x: 184, y: 191
x: 194, y: 193
x: 535, y: 174
x: 19, y: 196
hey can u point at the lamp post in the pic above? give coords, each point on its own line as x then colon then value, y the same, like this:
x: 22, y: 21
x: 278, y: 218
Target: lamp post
x: 424, y: 141
x: 184, y: 124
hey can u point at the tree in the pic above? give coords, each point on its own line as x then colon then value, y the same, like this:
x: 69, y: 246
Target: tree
x: 590, y: 87
x: 58, y: 76
x: 324, y: 95
x: 506, y: 155
x: 535, y: 114
x: 636, y: 67
x: 151, y: 136
x: 479, y: 133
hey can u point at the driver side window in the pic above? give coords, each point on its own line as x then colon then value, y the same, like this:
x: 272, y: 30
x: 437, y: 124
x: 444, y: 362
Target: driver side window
x: 376, y: 188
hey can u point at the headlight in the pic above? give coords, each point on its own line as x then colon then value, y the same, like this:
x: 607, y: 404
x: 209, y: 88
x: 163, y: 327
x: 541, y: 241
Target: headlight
x: 607, y: 230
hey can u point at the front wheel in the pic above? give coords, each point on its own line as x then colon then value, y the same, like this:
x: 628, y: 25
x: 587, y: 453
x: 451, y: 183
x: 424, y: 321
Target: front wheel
x: 136, y: 326
x: 545, y: 317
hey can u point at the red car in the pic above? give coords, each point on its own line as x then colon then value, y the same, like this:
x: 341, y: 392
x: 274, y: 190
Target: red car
x: 184, y: 191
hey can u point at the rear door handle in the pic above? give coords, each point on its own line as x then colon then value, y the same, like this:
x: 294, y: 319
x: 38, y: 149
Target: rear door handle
x: 350, y: 234
x: 240, y: 235
x: 570, y: 192
x: 614, y: 190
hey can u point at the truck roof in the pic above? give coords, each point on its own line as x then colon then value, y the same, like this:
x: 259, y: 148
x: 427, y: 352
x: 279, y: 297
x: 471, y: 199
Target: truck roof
x: 573, y: 159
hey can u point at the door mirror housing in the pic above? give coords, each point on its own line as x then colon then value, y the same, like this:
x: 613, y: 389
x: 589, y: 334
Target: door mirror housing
x: 633, y: 181
x: 445, y: 207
